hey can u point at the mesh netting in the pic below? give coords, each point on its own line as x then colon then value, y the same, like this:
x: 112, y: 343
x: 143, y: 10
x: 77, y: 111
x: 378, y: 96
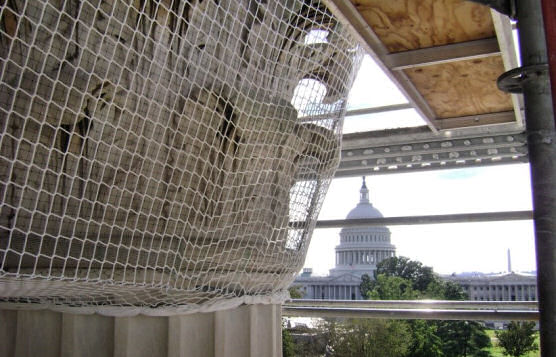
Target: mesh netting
x: 154, y: 153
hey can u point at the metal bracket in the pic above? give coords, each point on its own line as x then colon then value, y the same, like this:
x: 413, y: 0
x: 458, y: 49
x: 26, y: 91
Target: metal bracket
x: 506, y: 7
x: 513, y: 80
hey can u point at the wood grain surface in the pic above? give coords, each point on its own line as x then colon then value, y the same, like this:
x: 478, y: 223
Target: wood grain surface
x: 462, y: 88
x: 405, y: 25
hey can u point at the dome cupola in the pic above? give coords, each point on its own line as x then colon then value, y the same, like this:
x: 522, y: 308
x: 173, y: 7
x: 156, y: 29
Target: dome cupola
x: 364, y: 208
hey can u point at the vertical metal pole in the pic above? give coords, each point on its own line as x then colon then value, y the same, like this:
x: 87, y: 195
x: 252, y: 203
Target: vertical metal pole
x: 549, y: 16
x: 541, y: 140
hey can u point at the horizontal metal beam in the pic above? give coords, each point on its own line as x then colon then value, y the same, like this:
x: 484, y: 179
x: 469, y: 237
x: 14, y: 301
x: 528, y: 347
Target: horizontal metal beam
x: 475, y: 120
x: 454, y: 159
x: 408, y: 314
x: 376, y: 110
x: 422, y: 134
x: 417, y: 149
x: 362, y: 111
x: 415, y: 304
x: 474, y: 147
x: 414, y: 220
x: 443, y: 54
x: 370, y: 148
x: 398, y: 169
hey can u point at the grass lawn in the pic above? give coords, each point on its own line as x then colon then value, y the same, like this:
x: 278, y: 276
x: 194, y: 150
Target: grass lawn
x: 496, y: 351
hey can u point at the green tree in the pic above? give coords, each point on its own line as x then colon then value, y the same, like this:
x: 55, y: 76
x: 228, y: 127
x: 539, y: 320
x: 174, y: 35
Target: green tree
x: 423, y: 280
x: 518, y: 338
x: 295, y: 292
x: 463, y: 338
x: 369, y: 338
x: 425, y: 342
x: 392, y: 288
x: 287, y: 341
x: 400, y: 278
x: 420, y: 276
x: 453, y: 291
x: 366, y: 285
x: 288, y: 347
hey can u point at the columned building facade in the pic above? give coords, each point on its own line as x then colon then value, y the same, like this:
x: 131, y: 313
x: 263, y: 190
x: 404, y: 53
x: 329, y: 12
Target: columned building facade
x: 358, y: 253
x: 498, y: 287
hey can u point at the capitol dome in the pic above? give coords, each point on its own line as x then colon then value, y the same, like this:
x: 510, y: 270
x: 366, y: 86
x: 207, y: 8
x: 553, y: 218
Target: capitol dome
x: 364, y: 208
x: 362, y: 248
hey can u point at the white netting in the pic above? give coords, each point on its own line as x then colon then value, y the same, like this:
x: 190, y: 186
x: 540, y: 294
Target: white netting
x: 154, y: 153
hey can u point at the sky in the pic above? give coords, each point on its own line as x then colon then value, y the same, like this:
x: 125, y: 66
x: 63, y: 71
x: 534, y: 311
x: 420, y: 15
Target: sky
x: 448, y: 248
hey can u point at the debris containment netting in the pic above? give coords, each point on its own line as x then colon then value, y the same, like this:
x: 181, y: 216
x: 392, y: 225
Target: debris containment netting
x: 164, y: 156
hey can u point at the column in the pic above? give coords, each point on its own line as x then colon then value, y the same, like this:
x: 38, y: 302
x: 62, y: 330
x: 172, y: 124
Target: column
x: 250, y: 330
x: 540, y: 125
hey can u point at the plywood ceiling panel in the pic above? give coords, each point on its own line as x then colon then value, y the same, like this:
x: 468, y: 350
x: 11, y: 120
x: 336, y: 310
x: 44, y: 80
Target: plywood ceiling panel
x: 462, y: 88
x: 405, y: 25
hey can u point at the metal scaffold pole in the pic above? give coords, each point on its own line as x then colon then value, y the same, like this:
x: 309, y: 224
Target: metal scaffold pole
x: 541, y: 141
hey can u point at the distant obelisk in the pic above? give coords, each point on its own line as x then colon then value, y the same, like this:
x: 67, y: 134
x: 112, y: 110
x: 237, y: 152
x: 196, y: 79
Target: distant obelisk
x: 509, y: 261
